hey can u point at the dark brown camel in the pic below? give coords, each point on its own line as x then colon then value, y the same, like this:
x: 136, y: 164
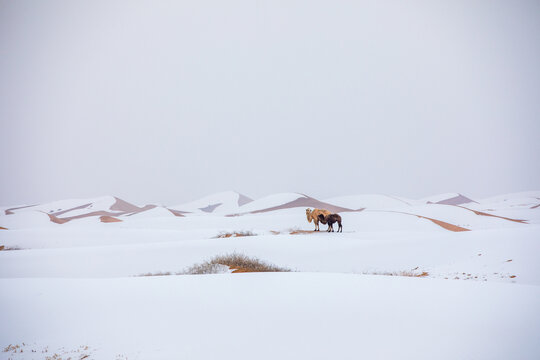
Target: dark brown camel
x: 330, y: 220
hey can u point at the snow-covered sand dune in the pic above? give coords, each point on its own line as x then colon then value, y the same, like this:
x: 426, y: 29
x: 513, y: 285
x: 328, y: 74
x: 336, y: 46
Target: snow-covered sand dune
x: 271, y: 316
x: 221, y: 203
x: 72, y: 288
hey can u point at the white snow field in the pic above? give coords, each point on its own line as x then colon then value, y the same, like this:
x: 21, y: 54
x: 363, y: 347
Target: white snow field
x: 446, y: 277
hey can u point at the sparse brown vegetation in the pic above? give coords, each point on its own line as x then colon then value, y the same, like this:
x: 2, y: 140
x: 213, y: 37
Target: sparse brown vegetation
x: 157, y: 274
x: 12, y: 348
x: 18, y: 352
x: 296, y: 232
x: 408, y: 273
x: 236, y: 262
x: 224, y: 234
x: 9, y: 248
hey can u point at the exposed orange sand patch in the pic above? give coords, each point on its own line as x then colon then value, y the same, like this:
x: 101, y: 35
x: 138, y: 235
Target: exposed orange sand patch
x: 121, y: 205
x: 108, y: 219
x: 275, y: 232
x: 444, y: 225
x: 239, y: 270
x: 72, y: 209
x: 95, y: 213
x: 82, y: 216
x: 486, y: 214
x: 296, y: 232
x: 57, y: 220
x: 9, y: 212
x: 177, y: 212
x: 2, y: 228
x: 242, y: 270
x: 234, y: 234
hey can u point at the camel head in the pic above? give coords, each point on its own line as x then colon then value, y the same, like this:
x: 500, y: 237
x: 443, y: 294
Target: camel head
x: 308, y: 214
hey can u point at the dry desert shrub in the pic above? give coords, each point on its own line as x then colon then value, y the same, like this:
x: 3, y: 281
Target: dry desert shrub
x: 236, y: 262
x: 28, y: 351
x: 225, y: 234
x: 408, y: 273
x: 157, y: 274
x: 12, y: 348
x: 9, y: 248
x: 205, y: 268
x: 220, y: 264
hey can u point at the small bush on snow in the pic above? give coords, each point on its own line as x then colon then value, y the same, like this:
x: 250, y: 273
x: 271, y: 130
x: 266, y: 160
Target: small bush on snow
x: 225, y: 234
x: 225, y: 263
x: 236, y: 262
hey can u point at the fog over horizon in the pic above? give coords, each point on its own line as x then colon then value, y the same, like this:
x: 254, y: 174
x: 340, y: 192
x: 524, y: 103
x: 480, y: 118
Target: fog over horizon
x: 166, y: 102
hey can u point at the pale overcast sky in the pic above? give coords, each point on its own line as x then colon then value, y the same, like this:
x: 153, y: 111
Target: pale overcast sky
x: 164, y: 102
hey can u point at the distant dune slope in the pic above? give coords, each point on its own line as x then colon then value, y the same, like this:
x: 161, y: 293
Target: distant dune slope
x: 447, y: 199
x: 504, y: 210
x: 10, y: 211
x: 456, y: 200
x: 305, y: 201
x: 496, y: 216
x: 63, y: 211
x: 222, y: 203
x: 368, y: 201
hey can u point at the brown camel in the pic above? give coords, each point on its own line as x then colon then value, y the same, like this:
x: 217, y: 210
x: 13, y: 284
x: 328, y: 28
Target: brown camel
x: 330, y: 220
x: 314, y: 215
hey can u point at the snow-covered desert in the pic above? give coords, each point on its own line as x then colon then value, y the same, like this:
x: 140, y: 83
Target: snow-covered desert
x: 164, y: 165
x: 444, y: 277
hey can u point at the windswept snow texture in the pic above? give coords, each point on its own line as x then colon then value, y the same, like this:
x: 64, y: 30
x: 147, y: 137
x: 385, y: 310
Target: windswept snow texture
x: 72, y: 287
x: 273, y: 316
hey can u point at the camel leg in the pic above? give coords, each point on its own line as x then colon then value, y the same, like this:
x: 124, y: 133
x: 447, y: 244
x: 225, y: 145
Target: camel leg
x: 340, y: 228
x: 316, y: 225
